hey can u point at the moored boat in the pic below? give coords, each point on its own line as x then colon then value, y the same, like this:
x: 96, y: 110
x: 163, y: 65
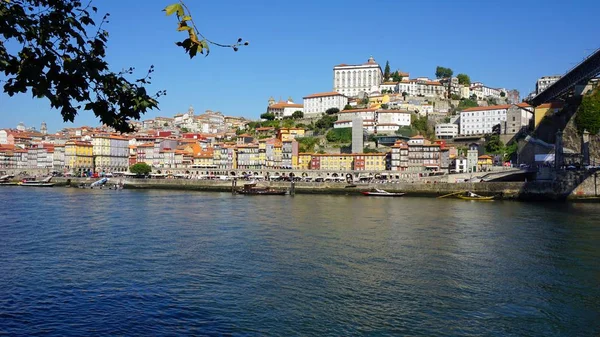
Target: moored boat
x: 381, y: 193
x: 31, y: 182
x: 472, y: 196
x: 252, y: 189
x: 5, y: 180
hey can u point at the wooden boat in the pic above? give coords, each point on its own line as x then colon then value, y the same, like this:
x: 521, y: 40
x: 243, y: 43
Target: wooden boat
x: 31, y: 182
x: 473, y: 196
x: 252, y: 189
x: 381, y: 193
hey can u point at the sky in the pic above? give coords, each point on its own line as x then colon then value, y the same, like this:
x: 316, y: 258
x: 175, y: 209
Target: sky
x: 295, y: 44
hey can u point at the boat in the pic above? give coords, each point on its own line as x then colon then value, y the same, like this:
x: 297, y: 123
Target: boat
x: 31, y: 182
x: 472, y: 196
x: 381, y: 193
x: 252, y: 189
x: 5, y: 180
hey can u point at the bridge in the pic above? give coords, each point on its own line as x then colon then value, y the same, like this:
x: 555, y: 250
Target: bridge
x: 581, y: 73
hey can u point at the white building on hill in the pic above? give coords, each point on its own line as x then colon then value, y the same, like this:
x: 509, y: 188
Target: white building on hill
x: 317, y: 104
x: 351, y: 80
x: 481, y: 120
x: 382, y: 121
x: 283, y: 108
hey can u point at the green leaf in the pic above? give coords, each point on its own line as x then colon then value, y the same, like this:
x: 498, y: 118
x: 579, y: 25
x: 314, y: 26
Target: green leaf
x: 182, y: 28
x: 204, y: 44
x: 174, y: 8
x: 186, y: 18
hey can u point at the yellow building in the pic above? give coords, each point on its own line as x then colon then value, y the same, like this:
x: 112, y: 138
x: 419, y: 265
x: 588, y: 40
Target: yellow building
x: 544, y: 110
x: 286, y: 134
x: 375, y: 102
x: 262, y: 152
x: 336, y: 162
x: 205, y: 159
x: 303, y: 162
x: 79, y: 155
x: 484, y: 162
x: 369, y: 161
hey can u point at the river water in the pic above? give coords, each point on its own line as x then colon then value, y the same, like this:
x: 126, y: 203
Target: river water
x: 145, y: 263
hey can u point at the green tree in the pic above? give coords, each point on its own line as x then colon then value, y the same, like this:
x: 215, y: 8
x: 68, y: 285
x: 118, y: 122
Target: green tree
x: 325, y: 122
x: 396, y: 77
x: 463, y: 79
x: 386, y: 72
x: 455, y: 97
x: 502, y: 94
x: 588, y: 114
x: 332, y: 111
x: 348, y: 107
x: 185, y: 130
x: 384, y: 106
x: 307, y: 144
x: 268, y: 116
x: 368, y: 149
x: 140, y: 168
x: 442, y: 72
x: 494, y: 145
x: 298, y: 114
x: 287, y: 123
x: 404, y: 95
x: 365, y: 101
x: 510, y: 150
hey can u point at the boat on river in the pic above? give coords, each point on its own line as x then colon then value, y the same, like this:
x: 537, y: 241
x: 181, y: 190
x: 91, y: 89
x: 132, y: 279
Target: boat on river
x: 252, y: 189
x: 381, y: 193
x: 472, y: 196
x: 32, y: 182
x: 5, y: 180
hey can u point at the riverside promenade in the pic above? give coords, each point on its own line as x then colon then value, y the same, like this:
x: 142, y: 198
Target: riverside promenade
x: 569, y: 189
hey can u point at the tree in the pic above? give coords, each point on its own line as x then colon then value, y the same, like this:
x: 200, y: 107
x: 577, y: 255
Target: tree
x: 502, y: 94
x: 494, y: 144
x: 268, y: 116
x: 442, y: 72
x: 140, y: 168
x: 473, y: 97
x: 325, y: 122
x: 404, y: 94
x: 55, y: 49
x: 365, y: 101
x: 185, y: 130
x: 298, y: 114
x: 348, y: 107
x: 406, y: 131
x: 455, y: 97
x: 396, y: 77
x: 386, y: 72
x: 384, y: 106
x: 588, y: 114
x: 464, y: 79
x: 332, y: 111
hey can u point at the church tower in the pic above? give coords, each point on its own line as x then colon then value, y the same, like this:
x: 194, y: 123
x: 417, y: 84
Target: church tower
x: 271, y: 100
x: 44, y: 128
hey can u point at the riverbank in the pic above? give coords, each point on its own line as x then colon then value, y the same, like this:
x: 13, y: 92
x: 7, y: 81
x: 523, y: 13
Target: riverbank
x: 572, y: 186
x: 502, y: 190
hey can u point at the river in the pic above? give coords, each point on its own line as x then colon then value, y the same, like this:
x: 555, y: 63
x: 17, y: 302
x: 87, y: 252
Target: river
x: 145, y: 263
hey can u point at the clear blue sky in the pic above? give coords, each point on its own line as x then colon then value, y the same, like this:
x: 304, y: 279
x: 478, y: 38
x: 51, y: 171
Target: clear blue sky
x: 295, y: 44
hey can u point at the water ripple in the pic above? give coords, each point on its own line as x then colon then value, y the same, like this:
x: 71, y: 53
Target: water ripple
x: 80, y: 262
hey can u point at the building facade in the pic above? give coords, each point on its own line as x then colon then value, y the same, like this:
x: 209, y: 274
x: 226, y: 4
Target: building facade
x: 481, y: 120
x: 352, y: 80
x: 446, y: 130
x: 316, y: 104
x: 544, y: 82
